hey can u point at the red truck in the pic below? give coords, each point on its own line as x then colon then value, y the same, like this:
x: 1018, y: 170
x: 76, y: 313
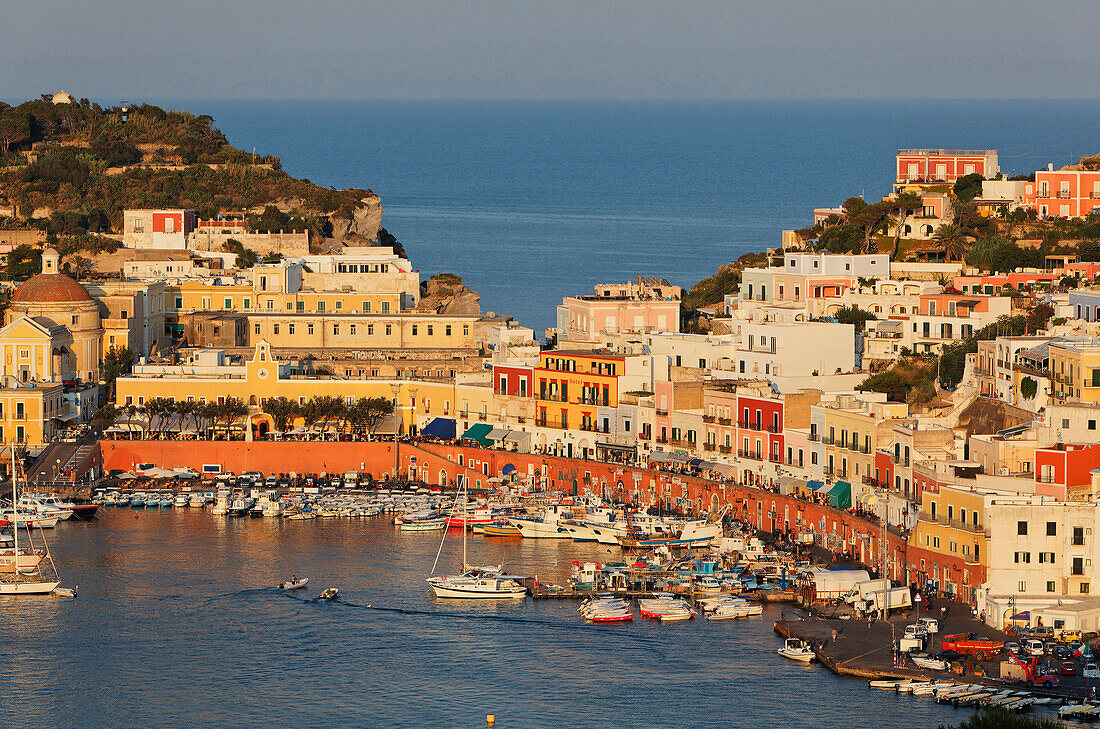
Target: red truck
x: 980, y: 648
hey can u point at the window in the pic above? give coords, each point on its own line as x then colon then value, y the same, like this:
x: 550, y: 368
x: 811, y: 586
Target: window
x: 1021, y: 528
x: 1084, y: 588
x: 370, y: 330
x: 257, y: 328
x: 309, y: 328
x: 321, y: 307
x: 385, y: 307
x: 429, y: 330
x: 352, y: 330
x: 1078, y: 537
x: 1050, y: 585
x: 366, y: 307
x: 389, y: 329
x: 179, y: 302
x: 335, y: 329
x: 414, y: 330
x: 1052, y: 529
x: 1078, y: 567
x: 1022, y: 586
x: 275, y: 328
x: 448, y: 330
x: 290, y: 328
x: 339, y: 305
x: 1022, y: 558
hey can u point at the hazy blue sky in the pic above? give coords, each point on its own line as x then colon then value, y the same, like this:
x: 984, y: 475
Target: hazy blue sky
x: 581, y: 49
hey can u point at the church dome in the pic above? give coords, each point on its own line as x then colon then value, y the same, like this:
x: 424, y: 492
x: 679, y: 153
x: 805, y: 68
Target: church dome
x: 50, y: 288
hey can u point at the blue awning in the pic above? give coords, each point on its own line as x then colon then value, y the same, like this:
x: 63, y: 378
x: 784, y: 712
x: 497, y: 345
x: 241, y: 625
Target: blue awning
x: 815, y: 485
x: 508, y: 469
x: 439, y: 428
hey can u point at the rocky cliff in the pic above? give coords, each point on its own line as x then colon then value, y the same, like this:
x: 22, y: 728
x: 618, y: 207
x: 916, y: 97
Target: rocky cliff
x: 362, y: 226
x: 445, y: 293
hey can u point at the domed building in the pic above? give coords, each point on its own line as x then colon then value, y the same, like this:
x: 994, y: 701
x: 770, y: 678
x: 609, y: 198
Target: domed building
x: 52, y: 329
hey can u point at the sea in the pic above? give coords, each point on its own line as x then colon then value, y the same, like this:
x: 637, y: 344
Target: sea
x: 178, y: 623
x: 531, y: 201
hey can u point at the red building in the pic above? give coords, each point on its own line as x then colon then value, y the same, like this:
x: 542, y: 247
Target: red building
x: 944, y: 165
x: 1065, y: 466
x: 1066, y: 193
x: 759, y: 427
x: 513, y: 380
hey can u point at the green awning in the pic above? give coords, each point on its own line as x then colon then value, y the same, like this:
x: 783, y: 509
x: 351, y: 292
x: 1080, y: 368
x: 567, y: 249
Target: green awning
x: 840, y: 495
x: 480, y: 433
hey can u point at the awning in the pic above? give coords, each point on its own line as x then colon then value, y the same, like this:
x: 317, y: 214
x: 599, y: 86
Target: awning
x: 663, y: 457
x: 439, y: 428
x: 815, y: 485
x: 497, y: 434
x: 840, y: 495
x: 695, y: 462
x: 508, y: 469
x: 521, y: 438
x: 480, y: 433
x: 724, y: 470
x: 789, y: 485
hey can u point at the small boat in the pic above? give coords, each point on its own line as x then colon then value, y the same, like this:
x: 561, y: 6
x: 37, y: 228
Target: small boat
x: 500, y: 529
x: 423, y: 525
x: 302, y: 516
x: 796, y: 650
x: 928, y: 662
x: 329, y: 594
x: 294, y: 584
x: 64, y: 591
x: 890, y: 684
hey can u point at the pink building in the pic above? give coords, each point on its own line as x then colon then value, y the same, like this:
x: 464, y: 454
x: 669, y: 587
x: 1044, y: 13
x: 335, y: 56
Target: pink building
x: 944, y: 165
x: 1066, y: 193
x: 992, y: 285
x: 652, y: 305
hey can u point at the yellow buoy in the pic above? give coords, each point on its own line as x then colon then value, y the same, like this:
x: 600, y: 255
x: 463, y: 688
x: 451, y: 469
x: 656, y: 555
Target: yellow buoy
x: 490, y: 719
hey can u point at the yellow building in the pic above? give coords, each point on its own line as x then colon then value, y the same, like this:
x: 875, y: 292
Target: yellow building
x: 30, y: 415
x: 850, y: 430
x: 63, y: 336
x: 1075, y: 370
x: 209, y: 376
x: 950, y: 543
x: 569, y: 386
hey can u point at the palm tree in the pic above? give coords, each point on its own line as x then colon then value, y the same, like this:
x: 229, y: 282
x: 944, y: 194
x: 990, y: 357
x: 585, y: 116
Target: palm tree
x: 80, y: 267
x: 953, y: 241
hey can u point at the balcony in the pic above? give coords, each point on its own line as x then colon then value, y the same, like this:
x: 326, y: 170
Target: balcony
x: 750, y: 454
x: 725, y: 421
x: 482, y: 416
x: 662, y: 440
x: 774, y: 458
x: 662, y: 411
x: 643, y: 436
x: 814, y: 437
x: 709, y: 418
x: 828, y: 441
x: 709, y: 447
x: 725, y: 449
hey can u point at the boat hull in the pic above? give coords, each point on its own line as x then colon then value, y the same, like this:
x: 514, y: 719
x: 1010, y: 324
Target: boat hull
x: 456, y: 592
x: 27, y: 588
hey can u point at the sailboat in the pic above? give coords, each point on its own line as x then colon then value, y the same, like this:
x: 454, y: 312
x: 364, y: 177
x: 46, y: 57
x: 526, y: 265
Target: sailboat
x: 473, y: 583
x: 31, y: 582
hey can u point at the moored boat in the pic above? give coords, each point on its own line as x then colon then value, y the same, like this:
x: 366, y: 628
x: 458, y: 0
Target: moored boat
x: 796, y: 650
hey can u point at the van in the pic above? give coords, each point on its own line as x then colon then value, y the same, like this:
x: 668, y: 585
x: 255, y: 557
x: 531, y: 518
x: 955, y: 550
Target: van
x: 916, y: 630
x: 1034, y: 647
x: 932, y: 625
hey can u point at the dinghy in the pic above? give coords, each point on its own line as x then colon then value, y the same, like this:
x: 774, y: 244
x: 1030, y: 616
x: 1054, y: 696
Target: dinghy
x: 294, y: 584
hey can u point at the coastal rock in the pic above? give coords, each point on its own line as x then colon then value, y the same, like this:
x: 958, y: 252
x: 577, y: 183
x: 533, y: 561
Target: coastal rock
x: 445, y: 293
x: 365, y: 222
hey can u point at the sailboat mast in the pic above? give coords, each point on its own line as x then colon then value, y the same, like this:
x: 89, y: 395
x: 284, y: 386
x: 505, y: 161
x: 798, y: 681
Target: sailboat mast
x: 465, y: 517
x: 14, y: 512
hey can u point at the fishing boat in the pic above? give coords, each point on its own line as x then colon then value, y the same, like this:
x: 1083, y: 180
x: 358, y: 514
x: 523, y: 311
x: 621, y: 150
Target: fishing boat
x: 665, y: 608
x: 934, y: 664
x: 545, y: 525
x: 796, y: 650
x: 32, y: 582
x: 500, y: 529
x: 329, y: 594
x: 294, y: 584
x: 302, y: 516
x: 197, y: 501
x: 473, y: 583
x: 890, y: 684
x: 606, y: 610
x: 423, y: 525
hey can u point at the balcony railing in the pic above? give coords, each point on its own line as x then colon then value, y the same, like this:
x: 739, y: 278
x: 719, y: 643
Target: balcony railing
x: 725, y: 421
x: 724, y: 449
x: 709, y: 446
x: 709, y: 418
x: 662, y: 440
x: 750, y: 454
x: 643, y: 436
x: 815, y: 437
x: 662, y: 411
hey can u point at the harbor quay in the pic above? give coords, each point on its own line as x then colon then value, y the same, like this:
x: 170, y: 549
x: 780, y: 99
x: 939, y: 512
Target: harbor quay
x: 838, y: 531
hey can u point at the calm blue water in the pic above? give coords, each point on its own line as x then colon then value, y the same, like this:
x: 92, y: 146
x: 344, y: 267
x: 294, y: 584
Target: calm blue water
x: 177, y: 624
x: 533, y: 200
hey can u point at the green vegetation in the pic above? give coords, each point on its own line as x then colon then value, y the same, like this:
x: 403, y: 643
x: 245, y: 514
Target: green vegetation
x: 1000, y: 255
x: 711, y: 291
x: 88, y: 164
x: 854, y: 315
x: 117, y: 362
x: 1029, y: 387
x: 968, y: 187
x: 910, y: 380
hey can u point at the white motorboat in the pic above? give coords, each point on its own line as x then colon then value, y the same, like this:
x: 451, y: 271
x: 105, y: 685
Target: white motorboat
x: 27, y: 561
x: 46, y: 508
x: 545, y: 525
x: 181, y: 501
x: 31, y: 581
x: 890, y: 684
x: 796, y: 650
x: 730, y: 610
x: 197, y: 501
x: 329, y: 594
x: 423, y: 525
x: 221, y: 506
x: 934, y: 664
x: 474, y: 586
x: 294, y: 584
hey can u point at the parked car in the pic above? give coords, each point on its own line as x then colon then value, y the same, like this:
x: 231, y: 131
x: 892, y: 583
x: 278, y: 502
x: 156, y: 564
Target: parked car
x: 1062, y: 653
x: 1069, y: 636
x: 1069, y: 668
x: 1034, y: 647
x: 932, y: 625
x: 949, y: 656
x: 1090, y: 670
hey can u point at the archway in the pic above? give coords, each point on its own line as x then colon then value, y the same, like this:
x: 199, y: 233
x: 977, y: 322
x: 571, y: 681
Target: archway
x: 442, y: 477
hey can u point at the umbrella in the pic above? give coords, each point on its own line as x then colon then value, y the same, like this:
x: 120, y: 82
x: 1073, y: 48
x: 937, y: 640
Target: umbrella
x: 508, y: 469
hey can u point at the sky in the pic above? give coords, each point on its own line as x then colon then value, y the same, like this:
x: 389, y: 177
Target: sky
x: 605, y: 49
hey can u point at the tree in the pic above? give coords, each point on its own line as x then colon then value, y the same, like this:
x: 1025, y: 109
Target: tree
x: 1088, y: 251
x: 968, y: 187
x: 118, y: 361
x: 375, y: 409
x: 1029, y: 387
x: 14, y: 128
x: 953, y: 241
x: 998, y: 718
x: 80, y: 267
x: 905, y: 203
x: 282, y: 411
x: 854, y: 315
x: 23, y: 262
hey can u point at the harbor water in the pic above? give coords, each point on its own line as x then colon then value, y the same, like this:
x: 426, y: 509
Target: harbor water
x: 178, y: 622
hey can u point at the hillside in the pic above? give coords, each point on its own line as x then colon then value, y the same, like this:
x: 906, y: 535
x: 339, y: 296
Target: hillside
x: 72, y: 168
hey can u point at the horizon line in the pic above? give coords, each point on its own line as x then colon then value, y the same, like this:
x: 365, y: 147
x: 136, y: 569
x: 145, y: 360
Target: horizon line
x: 632, y: 99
